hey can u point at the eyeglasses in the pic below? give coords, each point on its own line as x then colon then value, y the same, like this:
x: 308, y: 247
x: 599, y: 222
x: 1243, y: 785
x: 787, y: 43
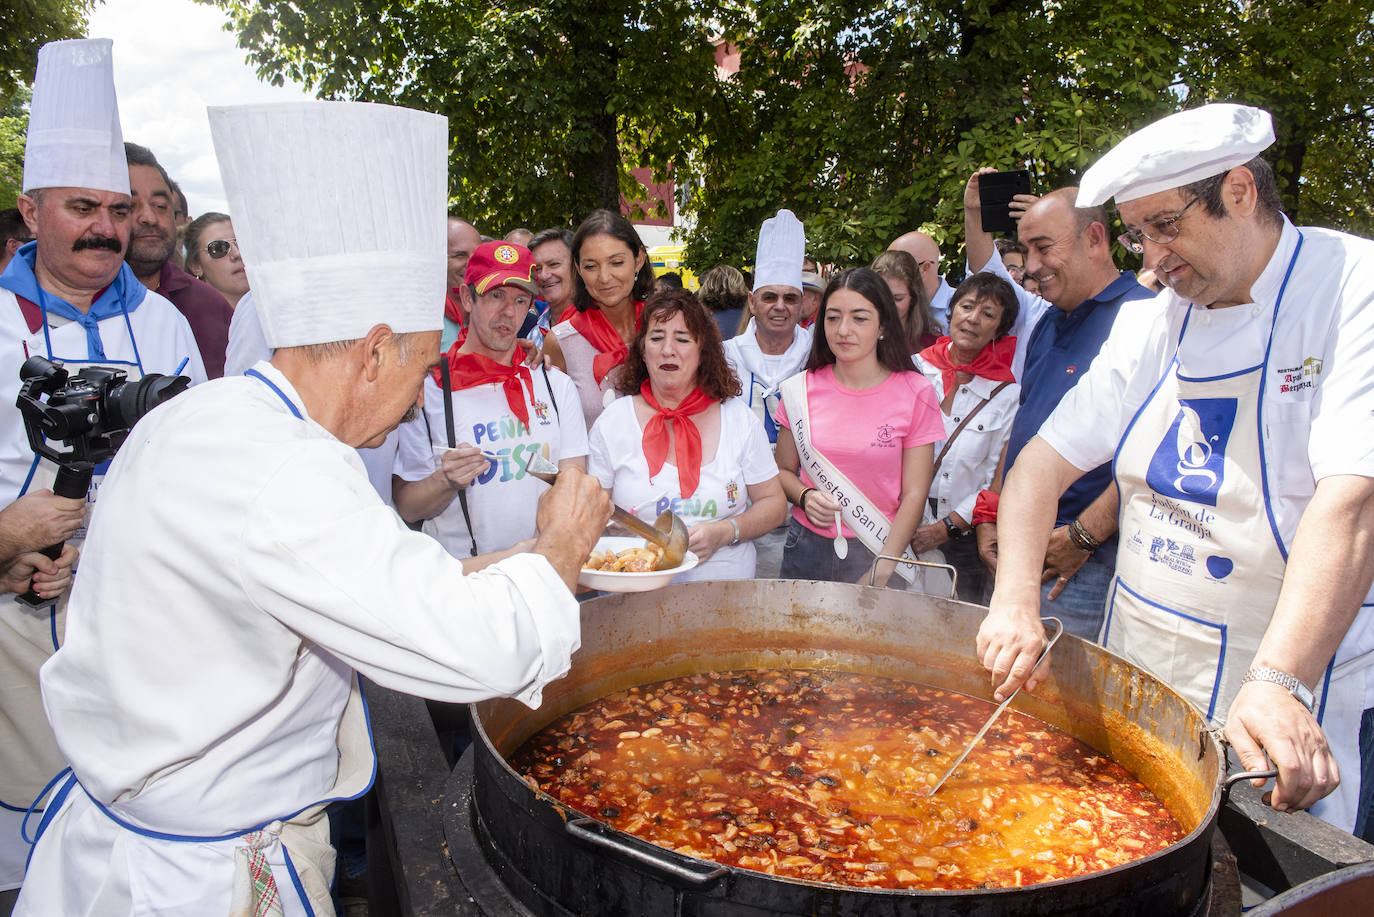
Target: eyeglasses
x: 770, y: 297
x: 220, y: 247
x: 1161, y: 231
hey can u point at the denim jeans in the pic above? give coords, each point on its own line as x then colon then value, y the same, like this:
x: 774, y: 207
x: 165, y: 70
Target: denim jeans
x: 1364, y: 814
x: 806, y: 555
x: 1082, y: 604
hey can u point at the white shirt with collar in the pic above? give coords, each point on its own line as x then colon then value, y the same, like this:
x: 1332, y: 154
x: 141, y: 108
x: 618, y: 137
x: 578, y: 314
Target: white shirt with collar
x: 972, y: 459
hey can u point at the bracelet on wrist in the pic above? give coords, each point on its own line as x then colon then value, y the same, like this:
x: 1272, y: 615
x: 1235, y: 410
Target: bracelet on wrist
x: 801, y: 498
x: 734, y: 525
x: 1082, y: 538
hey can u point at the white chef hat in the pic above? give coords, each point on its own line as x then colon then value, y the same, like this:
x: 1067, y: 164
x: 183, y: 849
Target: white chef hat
x: 1178, y: 150
x: 74, y: 139
x: 782, y: 246
x: 339, y: 209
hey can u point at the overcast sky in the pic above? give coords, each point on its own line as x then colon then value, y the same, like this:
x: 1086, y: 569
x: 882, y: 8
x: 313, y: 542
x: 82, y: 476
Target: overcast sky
x: 171, y: 59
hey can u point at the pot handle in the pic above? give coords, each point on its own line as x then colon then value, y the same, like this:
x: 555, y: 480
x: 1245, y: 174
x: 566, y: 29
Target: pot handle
x: 592, y: 831
x: 1248, y: 775
x: 953, y: 573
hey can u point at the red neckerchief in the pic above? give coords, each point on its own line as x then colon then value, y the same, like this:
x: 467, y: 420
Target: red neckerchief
x: 453, y: 310
x: 993, y: 362
x: 470, y: 369
x: 598, y: 331
x: 686, y: 437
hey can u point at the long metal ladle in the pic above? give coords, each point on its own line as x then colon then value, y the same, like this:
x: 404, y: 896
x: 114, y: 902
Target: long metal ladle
x: 1049, y: 645
x: 669, y: 532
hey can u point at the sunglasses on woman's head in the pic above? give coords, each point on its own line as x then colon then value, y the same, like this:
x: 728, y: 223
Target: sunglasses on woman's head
x: 220, y: 247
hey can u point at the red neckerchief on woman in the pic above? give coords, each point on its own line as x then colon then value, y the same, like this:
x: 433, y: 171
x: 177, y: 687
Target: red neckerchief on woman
x: 598, y: 331
x: 993, y: 362
x: 469, y: 369
x: 686, y: 437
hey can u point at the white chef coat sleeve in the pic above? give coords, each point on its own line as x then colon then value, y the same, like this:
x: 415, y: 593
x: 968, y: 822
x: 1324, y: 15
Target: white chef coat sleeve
x: 572, y: 423
x: 247, y: 343
x: 322, y: 555
x: 1342, y: 432
x: 1090, y: 420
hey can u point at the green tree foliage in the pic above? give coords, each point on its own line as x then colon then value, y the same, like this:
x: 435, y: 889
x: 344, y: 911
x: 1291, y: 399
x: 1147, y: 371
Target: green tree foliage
x: 865, y: 117
x: 550, y: 105
x: 14, y: 122
x: 26, y: 26
x: 1312, y: 65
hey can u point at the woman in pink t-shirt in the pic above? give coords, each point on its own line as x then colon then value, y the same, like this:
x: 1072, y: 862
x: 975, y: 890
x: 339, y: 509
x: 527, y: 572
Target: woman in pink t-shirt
x: 873, y: 418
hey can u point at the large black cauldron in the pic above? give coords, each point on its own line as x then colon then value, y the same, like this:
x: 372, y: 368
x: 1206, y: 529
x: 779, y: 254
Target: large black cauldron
x: 558, y: 862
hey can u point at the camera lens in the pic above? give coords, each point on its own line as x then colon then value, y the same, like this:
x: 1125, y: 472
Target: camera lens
x: 129, y: 401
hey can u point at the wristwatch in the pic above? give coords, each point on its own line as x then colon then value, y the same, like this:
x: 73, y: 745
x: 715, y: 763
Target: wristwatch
x: 1283, y: 680
x: 954, y: 530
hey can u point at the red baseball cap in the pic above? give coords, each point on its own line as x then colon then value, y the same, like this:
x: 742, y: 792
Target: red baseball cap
x: 496, y: 264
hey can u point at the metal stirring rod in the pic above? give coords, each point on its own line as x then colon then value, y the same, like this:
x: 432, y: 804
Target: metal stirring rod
x: 1059, y: 629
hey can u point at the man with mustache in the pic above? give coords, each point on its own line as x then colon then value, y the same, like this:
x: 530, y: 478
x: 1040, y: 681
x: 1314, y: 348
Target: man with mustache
x: 1069, y: 253
x: 1236, y: 411
x: 152, y: 239
x: 67, y: 296
x: 473, y: 494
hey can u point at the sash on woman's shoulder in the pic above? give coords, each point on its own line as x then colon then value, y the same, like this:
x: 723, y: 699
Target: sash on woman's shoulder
x: 857, y: 511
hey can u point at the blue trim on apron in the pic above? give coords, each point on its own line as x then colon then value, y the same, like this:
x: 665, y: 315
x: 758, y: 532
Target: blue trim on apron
x: 1240, y: 372
x: 296, y: 881
x: 1221, y: 655
x: 290, y: 405
x: 51, y: 810
x: 1259, y: 412
x: 1125, y: 434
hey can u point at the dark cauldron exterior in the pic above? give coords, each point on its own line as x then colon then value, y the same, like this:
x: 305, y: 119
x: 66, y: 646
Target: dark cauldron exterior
x: 632, y: 640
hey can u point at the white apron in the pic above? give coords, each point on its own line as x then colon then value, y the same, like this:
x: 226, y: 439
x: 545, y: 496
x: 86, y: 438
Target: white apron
x: 213, y: 873
x: 1199, y: 566
x: 29, y: 757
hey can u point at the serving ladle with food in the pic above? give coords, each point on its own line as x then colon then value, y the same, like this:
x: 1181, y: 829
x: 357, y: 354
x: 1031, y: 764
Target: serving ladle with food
x: 669, y: 532
x: 1049, y: 645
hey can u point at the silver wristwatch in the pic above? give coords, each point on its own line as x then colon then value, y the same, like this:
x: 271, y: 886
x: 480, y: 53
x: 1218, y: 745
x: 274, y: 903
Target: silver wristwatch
x: 1284, y: 680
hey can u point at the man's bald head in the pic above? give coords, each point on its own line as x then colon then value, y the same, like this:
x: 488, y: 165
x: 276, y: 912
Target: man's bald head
x: 927, y: 254
x: 1069, y: 249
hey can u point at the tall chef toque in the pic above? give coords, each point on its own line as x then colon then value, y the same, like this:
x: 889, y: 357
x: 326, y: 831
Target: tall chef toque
x: 1178, y: 150
x: 782, y: 246
x: 339, y: 209
x: 74, y: 139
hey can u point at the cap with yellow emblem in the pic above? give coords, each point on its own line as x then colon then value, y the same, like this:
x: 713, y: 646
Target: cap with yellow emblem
x: 497, y: 264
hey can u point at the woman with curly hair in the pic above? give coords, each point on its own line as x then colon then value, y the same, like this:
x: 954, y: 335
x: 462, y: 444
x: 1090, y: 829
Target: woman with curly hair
x: 682, y: 441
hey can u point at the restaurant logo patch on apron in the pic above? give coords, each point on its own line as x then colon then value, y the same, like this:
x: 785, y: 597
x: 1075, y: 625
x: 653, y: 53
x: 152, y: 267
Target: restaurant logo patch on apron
x: 1190, y: 462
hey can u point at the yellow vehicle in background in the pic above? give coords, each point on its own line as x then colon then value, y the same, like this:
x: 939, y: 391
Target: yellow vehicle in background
x: 667, y: 259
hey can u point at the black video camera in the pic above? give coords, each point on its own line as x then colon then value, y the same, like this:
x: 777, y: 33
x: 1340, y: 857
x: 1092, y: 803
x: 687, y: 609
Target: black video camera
x: 91, y: 413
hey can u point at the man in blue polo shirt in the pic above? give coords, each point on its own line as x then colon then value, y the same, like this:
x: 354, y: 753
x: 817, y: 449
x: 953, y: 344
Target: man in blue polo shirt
x: 1069, y: 254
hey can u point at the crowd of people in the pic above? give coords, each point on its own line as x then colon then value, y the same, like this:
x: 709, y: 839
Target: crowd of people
x: 1172, y: 475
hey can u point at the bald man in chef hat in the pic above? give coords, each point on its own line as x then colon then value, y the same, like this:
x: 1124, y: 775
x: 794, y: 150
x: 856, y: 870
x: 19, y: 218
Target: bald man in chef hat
x: 1238, y: 411
x: 207, y: 695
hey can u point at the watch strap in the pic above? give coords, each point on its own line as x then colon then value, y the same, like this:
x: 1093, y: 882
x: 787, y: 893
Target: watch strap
x: 1284, y: 680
